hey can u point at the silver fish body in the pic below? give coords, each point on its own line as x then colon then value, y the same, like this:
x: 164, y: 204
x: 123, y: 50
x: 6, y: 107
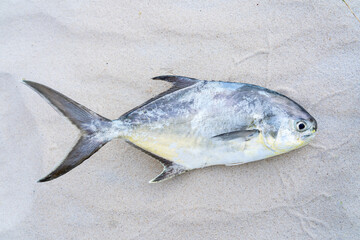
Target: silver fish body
x: 203, y: 123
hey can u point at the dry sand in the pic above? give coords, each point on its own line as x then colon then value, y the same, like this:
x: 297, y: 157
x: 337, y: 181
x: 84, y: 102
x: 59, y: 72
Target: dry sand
x: 103, y: 54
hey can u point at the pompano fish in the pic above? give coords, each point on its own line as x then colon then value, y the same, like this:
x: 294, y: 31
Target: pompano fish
x: 192, y: 125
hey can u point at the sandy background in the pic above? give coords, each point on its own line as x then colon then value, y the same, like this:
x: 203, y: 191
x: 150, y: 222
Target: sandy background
x: 103, y: 54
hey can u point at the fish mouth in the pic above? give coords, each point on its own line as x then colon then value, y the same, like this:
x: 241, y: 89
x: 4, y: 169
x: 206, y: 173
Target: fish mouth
x: 313, y: 121
x: 315, y: 126
x: 307, y: 136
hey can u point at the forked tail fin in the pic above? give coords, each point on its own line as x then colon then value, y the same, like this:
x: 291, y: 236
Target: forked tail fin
x: 94, y: 128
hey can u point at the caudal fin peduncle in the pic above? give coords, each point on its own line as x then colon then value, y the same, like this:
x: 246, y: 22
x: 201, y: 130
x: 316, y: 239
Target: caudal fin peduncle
x: 94, y: 128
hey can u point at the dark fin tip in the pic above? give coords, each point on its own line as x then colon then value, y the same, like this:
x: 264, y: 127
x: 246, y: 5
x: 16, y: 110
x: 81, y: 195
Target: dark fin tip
x: 158, y: 179
x: 176, y: 78
x: 161, y: 177
x: 169, y: 172
x: 45, y: 179
x: 164, y: 77
x: 29, y: 83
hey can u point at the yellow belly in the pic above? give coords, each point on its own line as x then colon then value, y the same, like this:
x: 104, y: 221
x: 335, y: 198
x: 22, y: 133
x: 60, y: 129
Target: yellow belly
x: 196, y: 152
x: 165, y: 145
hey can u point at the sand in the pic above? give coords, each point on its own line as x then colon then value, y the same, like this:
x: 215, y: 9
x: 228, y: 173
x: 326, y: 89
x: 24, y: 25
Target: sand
x: 103, y: 55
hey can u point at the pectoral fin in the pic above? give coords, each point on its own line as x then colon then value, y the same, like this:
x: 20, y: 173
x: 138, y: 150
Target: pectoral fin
x: 245, y: 135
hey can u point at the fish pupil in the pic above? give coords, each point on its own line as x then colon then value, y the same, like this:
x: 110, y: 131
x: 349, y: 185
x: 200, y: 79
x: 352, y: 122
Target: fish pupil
x: 301, y: 126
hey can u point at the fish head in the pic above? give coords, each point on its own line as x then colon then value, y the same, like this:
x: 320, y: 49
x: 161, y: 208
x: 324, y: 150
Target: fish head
x: 294, y: 128
x: 295, y: 133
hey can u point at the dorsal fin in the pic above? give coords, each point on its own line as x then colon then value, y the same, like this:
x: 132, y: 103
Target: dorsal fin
x: 179, y: 82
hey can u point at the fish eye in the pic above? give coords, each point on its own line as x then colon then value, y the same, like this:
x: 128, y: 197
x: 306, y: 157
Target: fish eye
x: 301, y: 126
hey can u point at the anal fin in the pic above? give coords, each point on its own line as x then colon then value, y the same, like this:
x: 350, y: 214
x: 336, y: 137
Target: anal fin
x: 170, y: 170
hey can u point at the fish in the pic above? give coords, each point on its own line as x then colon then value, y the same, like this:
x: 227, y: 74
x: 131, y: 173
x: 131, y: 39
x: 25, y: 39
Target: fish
x: 192, y: 125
